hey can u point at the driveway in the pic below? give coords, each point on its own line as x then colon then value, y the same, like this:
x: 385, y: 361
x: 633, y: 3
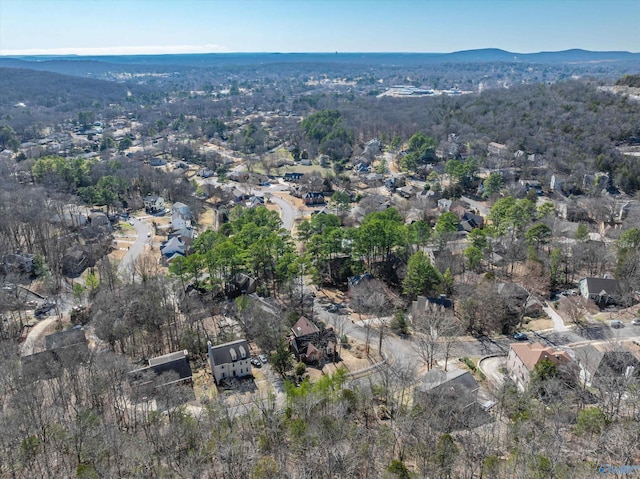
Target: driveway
x: 142, y: 229
x: 491, y: 368
x: 558, y: 322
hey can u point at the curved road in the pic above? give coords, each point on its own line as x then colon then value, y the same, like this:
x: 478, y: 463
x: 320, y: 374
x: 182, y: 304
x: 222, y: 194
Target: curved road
x: 288, y: 212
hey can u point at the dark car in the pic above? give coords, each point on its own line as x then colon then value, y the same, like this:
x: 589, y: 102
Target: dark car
x: 520, y: 336
x: 44, y: 308
x: 256, y: 362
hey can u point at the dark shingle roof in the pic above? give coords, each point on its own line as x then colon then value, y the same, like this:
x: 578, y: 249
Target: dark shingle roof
x: 64, y: 339
x: 177, y: 362
x: 597, y: 285
x: 229, y: 352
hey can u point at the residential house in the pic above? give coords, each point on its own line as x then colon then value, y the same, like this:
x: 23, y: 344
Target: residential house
x: 163, y: 380
x: 242, y: 283
x: 361, y: 167
x: 157, y: 162
x: 65, y: 339
x: 99, y: 219
x: 428, y: 198
x: 406, y: 191
x: 181, y: 222
x: 74, y: 261
x: 571, y: 211
x: 177, y: 362
x: 73, y: 215
x: 523, y: 358
x: 315, y: 348
x: 597, y: 181
x: 313, y: 198
x: 497, y: 149
x: 532, y: 185
x: 561, y: 184
x: 17, y: 263
x: 206, y: 173
x: 173, y: 248
x: 444, y: 204
x: 293, y: 177
x: 602, y: 291
x: 451, y: 397
x: 154, y: 204
x: 470, y: 221
x: 229, y: 360
x: 603, y: 364
x: 390, y: 183
x: 63, y: 350
x: 304, y: 327
x: 255, y: 201
x: 180, y: 209
x: 239, y: 176
x: 374, y: 179
x: 440, y: 303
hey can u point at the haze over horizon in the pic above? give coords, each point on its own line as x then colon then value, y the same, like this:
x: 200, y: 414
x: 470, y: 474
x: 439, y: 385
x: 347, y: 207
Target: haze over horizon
x: 133, y: 27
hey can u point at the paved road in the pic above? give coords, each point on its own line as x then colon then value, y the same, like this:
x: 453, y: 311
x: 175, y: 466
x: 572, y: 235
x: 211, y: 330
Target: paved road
x: 483, y: 209
x: 558, y: 322
x: 288, y: 212
x: 34, y: 341
x: 34, y: 338
x: 142, y: 229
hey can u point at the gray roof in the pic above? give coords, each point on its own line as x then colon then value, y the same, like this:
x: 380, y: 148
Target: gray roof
x: 229, y: 352
x: 598, y: 285
x: 606, y: 363
x: 457, y: 382
x: 177, y: 362
x: 64, y: 339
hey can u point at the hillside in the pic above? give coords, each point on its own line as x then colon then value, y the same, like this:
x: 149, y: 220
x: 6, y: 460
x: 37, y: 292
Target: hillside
x: 53, y: 90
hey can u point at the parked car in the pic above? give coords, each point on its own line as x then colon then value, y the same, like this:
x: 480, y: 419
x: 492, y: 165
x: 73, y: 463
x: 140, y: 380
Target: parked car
x: 44, y: 308
x: 263, y: 358
x: 520, y: 336
x: 616, y: 323
x: 256, y: 362
x: 636, y: 322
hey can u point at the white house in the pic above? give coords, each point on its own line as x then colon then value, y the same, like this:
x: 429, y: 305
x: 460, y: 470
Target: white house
x: 230, y: 360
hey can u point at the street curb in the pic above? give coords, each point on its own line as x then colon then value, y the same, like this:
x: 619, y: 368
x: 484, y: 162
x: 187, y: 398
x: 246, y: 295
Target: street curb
x: 488, y: 357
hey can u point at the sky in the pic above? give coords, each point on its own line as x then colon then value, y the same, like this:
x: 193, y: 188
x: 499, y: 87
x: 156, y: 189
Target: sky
x: 101, y: 27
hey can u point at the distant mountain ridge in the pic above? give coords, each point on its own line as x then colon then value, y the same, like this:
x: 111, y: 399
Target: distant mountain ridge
x: 564, y: 56
x: 87, y: 65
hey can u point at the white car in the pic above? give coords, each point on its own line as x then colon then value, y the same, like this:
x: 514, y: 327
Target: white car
x: 636, y: 322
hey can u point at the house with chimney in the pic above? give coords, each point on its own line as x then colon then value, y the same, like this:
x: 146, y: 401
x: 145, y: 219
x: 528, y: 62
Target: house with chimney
x: 523, y: 358
x: 315, y: 348
x: 303, y: 327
